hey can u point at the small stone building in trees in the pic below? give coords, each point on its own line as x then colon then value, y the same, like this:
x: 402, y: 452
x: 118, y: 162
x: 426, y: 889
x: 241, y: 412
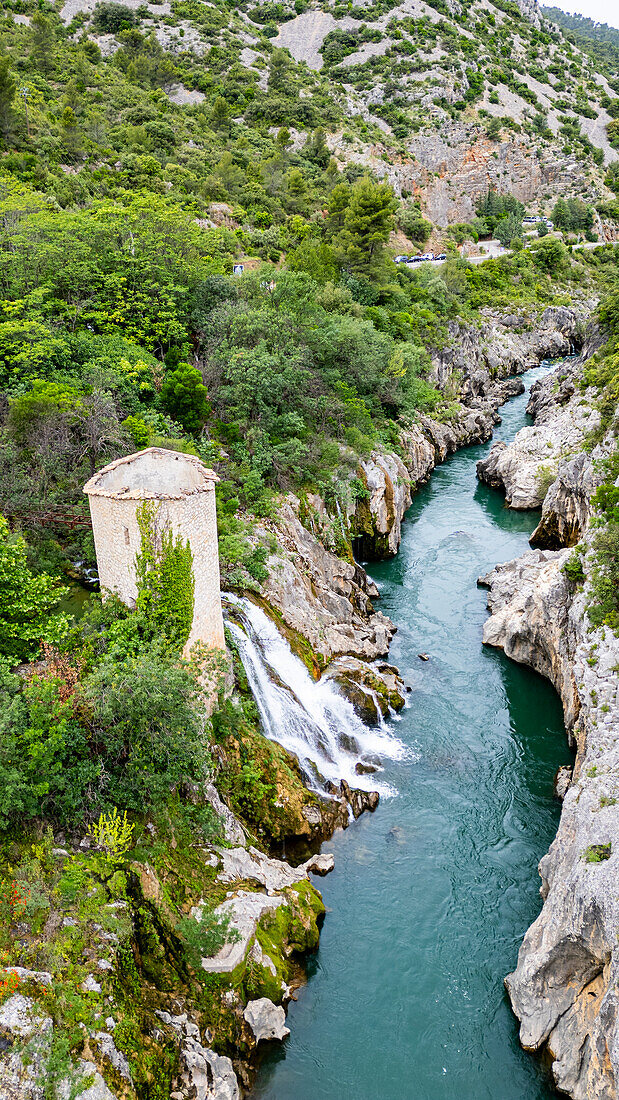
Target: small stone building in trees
x: 183, y: 490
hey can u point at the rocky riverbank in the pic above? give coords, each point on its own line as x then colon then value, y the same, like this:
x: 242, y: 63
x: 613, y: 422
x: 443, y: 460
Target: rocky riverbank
x: 564, y: 987
x: 316, y: 590
x: 323, y: 601
x: 125, y: 974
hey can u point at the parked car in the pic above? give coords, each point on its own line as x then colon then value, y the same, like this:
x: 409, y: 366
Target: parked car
x: 415, y: 259
x: 441, y: 256
x: 401, y: 259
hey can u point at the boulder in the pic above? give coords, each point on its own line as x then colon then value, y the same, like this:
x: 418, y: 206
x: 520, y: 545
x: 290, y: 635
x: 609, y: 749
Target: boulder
x: 374, y: 690
x: 567, y: 505
x: 321, y: 864
x: 363, y: 768
x: 359, y: 801
x: 266, y: 1020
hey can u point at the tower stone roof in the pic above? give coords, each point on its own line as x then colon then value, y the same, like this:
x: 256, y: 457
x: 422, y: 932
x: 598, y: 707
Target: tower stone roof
x: 153, y: 474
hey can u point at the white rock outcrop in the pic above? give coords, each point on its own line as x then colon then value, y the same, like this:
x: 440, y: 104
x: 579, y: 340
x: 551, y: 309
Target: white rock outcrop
x: 266, y: 1020
x: 526, y: 467
x: 565, y: 988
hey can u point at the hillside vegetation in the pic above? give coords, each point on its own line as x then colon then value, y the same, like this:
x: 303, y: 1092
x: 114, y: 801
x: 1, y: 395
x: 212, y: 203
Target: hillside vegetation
x: 147, y: 150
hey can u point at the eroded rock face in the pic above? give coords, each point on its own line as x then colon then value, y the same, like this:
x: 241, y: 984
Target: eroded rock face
x: 378, y: 519
x: 204, y: 1075
x: 567, y: 505
x: 25, y: 1043
x: 507, y: 344
x: 324, y: 598
x: 564, y: 989
x: 25, y: 1048
x: 549, y: 451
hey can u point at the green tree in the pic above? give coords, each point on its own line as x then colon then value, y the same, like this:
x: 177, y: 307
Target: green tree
x: 550, y: 255
x: 283, y: 138
x: 493, y: 129
x: 413, y: 224
x: 296, y: 188
x: 43, y: 41
x: 70, y: 133
x: 316, y: 148
x: 110, y: 18
x: 339, y: 200
x: 560, y: 214
x: 509, y: 229
x: 184, y: 397
x: 145, y: 716
x: 220, y: 117
x: 26, y: 601
x: 368, y: 222
x: 8, y: 87
x: 279, y: 70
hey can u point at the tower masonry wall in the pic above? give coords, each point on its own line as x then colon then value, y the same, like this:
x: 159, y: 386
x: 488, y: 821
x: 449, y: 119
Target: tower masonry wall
x: 117, y: 541
x: 186, y: 505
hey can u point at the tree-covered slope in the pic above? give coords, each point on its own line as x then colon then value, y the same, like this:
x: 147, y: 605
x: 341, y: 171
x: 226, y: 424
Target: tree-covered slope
x: 598, y: 39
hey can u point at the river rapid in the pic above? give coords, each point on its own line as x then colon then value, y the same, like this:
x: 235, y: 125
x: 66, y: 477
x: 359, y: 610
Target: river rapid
x: 432, y: 894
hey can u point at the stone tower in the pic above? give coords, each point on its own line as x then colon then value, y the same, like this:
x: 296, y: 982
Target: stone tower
x: 184, y: 490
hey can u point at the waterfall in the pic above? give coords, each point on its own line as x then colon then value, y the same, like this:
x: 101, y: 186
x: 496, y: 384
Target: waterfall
x: 310, y: 719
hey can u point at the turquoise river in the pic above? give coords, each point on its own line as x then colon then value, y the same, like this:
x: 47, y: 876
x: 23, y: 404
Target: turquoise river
x: 432, y: 894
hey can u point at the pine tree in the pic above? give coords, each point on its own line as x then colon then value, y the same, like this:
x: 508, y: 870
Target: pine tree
x: 8, y: 87
x: 278, y: 70
x: 71, y: 136
x: 338, y: 205
x: 367, y: 225
x: 509, y: 229
x: 560, y: 214
x: 221, y: 114
x: 316, y: 148
x: 43, y: 42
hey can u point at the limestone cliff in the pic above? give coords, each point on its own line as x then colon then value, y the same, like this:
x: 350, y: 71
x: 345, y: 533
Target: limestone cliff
x: 544, y: 463
x: 315, y: 588
x: 507, y: 344
x: 564, y: 987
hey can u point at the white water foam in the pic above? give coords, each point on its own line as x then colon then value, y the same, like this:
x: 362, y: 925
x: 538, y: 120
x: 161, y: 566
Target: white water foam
x: 309, y: 718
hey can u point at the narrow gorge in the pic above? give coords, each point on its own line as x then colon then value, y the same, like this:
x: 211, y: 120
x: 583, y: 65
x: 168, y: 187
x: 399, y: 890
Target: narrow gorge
x: 512, y: 743
x: 309, y: 550
x: 451, y: 855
